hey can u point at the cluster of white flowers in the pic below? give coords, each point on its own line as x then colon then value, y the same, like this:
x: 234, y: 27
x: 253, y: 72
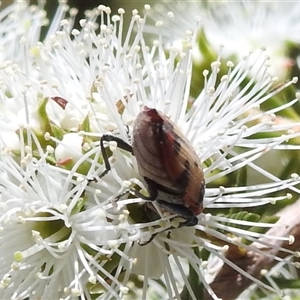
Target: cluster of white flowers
x: 64, y: 230
x: 241, y: 26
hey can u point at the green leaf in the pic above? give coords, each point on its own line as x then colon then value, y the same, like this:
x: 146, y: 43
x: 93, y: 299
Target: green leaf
x: 266, y: 219
x: 244, y: 216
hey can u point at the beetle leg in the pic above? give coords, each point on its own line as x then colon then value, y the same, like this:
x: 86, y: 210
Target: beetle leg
x: 120, y: 144
x: 150, y: 240
x: 136, y: 193
x: 124, y: 146
x: 190, y: 222
x: 181, y: 211
x: 152, y: 193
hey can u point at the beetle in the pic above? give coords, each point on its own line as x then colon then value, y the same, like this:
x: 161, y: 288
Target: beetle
x: 168, y: 163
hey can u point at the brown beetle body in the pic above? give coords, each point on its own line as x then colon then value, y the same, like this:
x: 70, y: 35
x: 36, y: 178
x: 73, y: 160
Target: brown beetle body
x: 168, y: 163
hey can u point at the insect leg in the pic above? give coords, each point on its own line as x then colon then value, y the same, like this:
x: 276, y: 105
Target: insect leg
x: 150, y: 240
x: 152, y: 193
x: 182, y: 211
x: 136, y: 193
x: 120, y: 144
x: 124, y: 146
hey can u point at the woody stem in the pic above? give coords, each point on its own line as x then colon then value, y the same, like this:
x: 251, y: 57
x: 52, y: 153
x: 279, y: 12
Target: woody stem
x: 229, y: 284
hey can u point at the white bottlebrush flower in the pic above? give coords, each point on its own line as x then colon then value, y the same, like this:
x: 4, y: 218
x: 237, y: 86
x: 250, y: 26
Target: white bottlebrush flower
x: 67, y: 232
x: 241, y: 26
x: 47, y: 241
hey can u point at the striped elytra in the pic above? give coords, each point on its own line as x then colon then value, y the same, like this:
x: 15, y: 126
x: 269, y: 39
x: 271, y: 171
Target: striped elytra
x: 169, y: 164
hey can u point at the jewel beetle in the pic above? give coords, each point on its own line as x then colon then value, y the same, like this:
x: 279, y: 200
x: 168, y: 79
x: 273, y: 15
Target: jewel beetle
x: 168, y: 163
